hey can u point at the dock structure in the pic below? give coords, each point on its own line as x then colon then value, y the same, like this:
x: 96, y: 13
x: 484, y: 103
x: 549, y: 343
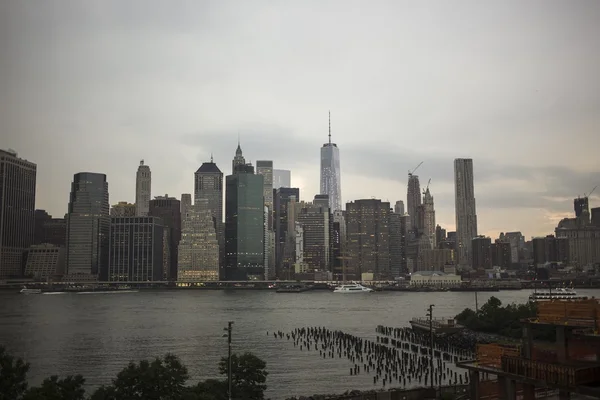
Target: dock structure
x: 570, y: 365
x: 440, y: 326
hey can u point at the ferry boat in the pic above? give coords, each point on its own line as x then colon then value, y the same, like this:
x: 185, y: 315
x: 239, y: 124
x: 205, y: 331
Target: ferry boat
x: 556, y: 294
x: 30, y: 291
x: 353, y: 288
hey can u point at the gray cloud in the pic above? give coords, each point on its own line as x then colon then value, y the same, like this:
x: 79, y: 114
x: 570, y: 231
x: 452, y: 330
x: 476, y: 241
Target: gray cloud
x: 99, y: 85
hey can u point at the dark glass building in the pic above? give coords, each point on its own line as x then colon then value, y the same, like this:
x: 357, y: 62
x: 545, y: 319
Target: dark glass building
x: 244, y: 224
x: 136, y: 249
x: 281, y: 201
x: 482, y: 252
x: 41, y: 216
x: 88, y: 228
x: 17, y: 212
x: 168, y: 209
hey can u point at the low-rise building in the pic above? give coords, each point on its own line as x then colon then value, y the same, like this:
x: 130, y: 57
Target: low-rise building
x: 434, y: 278
x: 45, y: 261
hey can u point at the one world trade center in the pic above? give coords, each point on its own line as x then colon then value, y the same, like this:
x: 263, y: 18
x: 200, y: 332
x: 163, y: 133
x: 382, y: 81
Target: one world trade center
x: 330, y: 173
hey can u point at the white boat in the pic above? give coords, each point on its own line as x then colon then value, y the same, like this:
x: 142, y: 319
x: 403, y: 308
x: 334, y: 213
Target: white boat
x: 30, y: 291
x: 555, y: 294
x: 353, y: 288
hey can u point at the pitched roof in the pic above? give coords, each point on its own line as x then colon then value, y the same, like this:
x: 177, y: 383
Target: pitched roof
x: 208, y: 167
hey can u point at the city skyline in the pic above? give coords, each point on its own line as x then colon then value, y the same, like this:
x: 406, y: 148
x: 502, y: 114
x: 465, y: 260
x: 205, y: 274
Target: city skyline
x: 521, y: 103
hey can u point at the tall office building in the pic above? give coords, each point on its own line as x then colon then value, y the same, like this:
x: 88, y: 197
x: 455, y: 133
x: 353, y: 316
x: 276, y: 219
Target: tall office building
x: 244, y: 216
x: 397, y: 240
x: 440, y: 235
x: 596, y: 217
x: 136, y: 249
x: 186, y: 203
x: 41, y: 217
x: 198, y: 252
x: 208, y: 185
x: 429, y: 217
x: 466, y: 215
x: 316, y: 227
x: 55, y: 232
x: 399, y: 207
x: 501, y: 256
x: 413, y: 202
x: 168, y: 209
x: 143, y: 189
x: 265, y: 168
x: 123, y: 209
x: 238, y: 160
x: 368, y: 238
x: 17, y: 211
x: 331, y: 173
x: 88, y: 227
x: 282, y: 178
x: 282, y: 197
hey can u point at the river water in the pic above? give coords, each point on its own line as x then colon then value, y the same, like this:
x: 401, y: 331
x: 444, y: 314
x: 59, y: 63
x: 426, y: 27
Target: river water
x: 96, y: 335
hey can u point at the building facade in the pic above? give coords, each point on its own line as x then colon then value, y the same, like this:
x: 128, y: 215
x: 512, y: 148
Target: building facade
x: 186, y: 203
x: 282, y: 199
x: 45, y: 261
x: 466, y: 215
x: 399, y: 207
x: 244, y: 224
x: 17, y: 212
x: 55, y: 232
x: 199, y: 248
x: 397, y: 244
x: 208, y: 185
x: 282, y: 178
x: 143, y: 189
x: 429, y: 217
x: 316, y: 229
x: 482, y: 252
x: 136, y: 249
x: 123, y: 209
x: 88, y: 228
x: 168, y: 209
x: 501, y: 254
x: 368, y: 238
x: 331, y: 173
x: 413, y: 202
x: 550, y: 249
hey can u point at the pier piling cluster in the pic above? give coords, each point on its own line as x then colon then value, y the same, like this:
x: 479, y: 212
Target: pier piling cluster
x: 398, y: 356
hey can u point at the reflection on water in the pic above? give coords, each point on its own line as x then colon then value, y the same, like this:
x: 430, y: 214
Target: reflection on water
x: 96, y: 335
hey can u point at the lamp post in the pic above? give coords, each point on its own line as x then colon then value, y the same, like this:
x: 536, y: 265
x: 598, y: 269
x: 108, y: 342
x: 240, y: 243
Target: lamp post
x: 430, y: 315
x: 229, y: 329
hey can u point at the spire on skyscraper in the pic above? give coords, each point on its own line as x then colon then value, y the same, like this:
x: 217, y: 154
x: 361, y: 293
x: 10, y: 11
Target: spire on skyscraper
x: 329, y: 127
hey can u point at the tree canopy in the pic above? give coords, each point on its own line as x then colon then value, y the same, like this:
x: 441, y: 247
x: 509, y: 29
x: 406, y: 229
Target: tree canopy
x: 163, y: 378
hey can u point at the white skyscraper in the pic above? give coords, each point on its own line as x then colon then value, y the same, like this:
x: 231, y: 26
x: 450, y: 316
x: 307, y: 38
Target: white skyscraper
x: 282, y: 178
x: 143, y: 186
x: 466, y: 215
x: 330, y: 173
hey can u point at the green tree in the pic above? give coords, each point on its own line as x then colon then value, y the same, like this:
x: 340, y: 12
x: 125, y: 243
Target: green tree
x: 53, y: 388
x: 161, y: 379
x: 13, y: 376
x: 249, y: 376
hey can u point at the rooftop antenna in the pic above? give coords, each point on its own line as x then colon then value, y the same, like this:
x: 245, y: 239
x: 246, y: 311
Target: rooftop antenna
x: 211, y: 157
x: 329, y: 126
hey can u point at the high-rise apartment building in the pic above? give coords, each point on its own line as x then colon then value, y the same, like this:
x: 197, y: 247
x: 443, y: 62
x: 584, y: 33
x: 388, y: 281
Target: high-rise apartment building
x: 331, y: 173
x: 429, y: 217
x: 123, y: 209
x: 199, y: 248
x: 143, y: 189
x: 244, y: 224
x: 17, y: 211
x: 482, y: 252
x: 466, y: 215
x: 168, y: 209
x: 397, y: 244
x: 368, y: 238
x: 282, y: 178
x: 550, y: 249
x: 136, y: 249
x: 501, y: 254
x: 88, y: 227
x: 316, y: 228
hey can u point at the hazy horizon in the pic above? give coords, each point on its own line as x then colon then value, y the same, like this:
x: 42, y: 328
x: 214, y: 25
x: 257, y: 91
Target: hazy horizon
x: 98, y: 86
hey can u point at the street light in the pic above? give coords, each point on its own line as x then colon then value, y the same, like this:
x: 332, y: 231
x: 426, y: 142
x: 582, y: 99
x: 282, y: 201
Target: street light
x: 229, y: 329
x: 430, y: 315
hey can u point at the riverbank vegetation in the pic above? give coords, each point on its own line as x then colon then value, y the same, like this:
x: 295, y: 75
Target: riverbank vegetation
x: 493, y: 318
x: 164, y: 378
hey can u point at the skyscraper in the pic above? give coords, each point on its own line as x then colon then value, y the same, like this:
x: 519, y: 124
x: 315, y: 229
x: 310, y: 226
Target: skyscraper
x: 198, y: 252
x: 282, y: 178
x: 368, y: 237
x: 186, y: 203
x: 88, y: 227
x: 316, y: 227
x: 399, y: 207
x: 429, y: 217
x: 413, y: 201
x: 17, y: 211
x: 244, y: 223
x: 168, y: 209
x: 136, y: 249
x: 330, y: 173
x: 208, y: 185
x: 238, y: 159
x: 466, y: 215
x: 143, y: 186
x: 265, y: 168
x: 281, y: 224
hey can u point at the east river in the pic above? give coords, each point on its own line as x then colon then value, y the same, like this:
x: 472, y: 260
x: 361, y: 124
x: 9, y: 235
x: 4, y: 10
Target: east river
x: 96, y: 335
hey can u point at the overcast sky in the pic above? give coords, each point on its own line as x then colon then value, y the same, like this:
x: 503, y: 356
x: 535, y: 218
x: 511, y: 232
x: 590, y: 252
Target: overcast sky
x: 99, y: 85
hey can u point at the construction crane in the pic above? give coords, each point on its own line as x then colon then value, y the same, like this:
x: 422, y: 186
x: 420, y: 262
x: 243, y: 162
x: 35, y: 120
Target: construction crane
x: 590, y: 193
x: 410, y: 173
x: 427, y: 188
